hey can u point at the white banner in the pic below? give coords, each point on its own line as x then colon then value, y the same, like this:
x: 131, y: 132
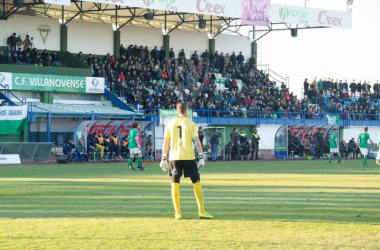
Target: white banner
x: 10, y: 159
x: 226, y: 8
x: 59, y: 2
x: 13, y: 113
x: 310, y: 16
x: 229, y: 8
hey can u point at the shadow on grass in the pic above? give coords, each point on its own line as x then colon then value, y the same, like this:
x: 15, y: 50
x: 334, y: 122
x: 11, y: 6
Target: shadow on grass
x: 76, y: 199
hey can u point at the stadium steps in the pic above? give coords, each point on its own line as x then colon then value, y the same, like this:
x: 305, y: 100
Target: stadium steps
x: 116, y: 101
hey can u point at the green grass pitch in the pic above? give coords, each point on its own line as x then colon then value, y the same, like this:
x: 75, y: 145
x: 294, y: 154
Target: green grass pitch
x: 256, y: 205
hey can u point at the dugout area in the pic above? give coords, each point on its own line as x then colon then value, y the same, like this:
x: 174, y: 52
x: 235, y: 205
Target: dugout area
x: 282, y: 135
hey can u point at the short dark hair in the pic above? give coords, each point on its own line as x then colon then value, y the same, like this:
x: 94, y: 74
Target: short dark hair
x: 366, y: 129
x: 200, y: 128
x: 181, y: 108
x: 135, y: 124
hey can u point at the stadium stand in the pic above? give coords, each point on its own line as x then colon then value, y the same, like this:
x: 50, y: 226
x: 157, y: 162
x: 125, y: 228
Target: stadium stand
x: 213, y: 84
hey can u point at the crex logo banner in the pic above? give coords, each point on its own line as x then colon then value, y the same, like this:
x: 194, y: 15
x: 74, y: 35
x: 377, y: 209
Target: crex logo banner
x: 311, y: 16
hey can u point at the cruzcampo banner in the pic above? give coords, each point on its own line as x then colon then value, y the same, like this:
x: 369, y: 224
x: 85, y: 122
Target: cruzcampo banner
x: 55, y: 83
x: 13, y: 119
x: 167, y: 114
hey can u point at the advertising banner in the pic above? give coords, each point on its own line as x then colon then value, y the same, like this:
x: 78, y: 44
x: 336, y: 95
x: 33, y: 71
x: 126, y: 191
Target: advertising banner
x: 256, y: 12
x: 59, y: 2
x: 167, y: 114
x: 226, y: 8
x: 13, y: 119
x: 252, y: 12
x: 10, y: 159
x: 310, y: 16
x: 33, y: 82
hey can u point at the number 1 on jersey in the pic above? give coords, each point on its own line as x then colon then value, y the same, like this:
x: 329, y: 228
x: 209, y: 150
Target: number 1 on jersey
x: 180, y: 131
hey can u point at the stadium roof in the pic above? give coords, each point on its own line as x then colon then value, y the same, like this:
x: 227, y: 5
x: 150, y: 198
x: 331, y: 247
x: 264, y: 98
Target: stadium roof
x: 107, y: 13
x: 42, y: 109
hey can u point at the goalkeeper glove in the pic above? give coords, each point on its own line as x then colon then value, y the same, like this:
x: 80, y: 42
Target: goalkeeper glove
x: 164, y: 164
x: 201, y: 162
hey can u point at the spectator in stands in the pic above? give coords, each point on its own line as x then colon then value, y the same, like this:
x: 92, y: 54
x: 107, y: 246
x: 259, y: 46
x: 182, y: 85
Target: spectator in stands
x: 240, y: 59
x: 55, y: 59
x: 195, y: 58
x: 68, y: 150
x: 353, y: 88
x: 79, y: 56
x: 2, y: 57
x: 182, y: 57
x: 359, y: 88
x: 12, y: 41
x: 306, y: 86
x: 154, y: 54
x: 205, y: 55
x: 162, y: 55
x: 233, y: 59
x: 8, y: 59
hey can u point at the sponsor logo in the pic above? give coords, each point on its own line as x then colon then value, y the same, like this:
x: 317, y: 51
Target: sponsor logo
x: 3, y: 159
x: 148, y: 2
x: 284, y: 13
x: 204, y: 6
x: 2, y: 78
x: 170, y: 4
x: 95, y: 82
x: 324, y: 18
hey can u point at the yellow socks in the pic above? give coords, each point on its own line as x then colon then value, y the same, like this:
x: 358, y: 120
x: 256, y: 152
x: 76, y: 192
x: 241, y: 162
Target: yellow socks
x: 175, y: 197
x: 199, y: 195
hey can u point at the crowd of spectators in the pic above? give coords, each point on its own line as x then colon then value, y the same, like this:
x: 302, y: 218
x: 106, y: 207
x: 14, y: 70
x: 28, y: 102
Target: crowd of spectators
x: 359, y: 101
x: 146, y: 77
x: 24, y: 53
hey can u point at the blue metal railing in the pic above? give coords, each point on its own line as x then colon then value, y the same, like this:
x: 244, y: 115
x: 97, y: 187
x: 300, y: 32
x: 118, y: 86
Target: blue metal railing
x: 264, y: 117
x: 8, y: 93
x: 116, y: 101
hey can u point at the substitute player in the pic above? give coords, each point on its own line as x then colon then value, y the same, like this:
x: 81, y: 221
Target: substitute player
x: 363, y: 145
x: 135, y: 147
x: 334, y: 146
x: 179, y: 133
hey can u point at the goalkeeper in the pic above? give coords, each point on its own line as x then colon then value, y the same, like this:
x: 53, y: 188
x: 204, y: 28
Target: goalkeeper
x: 179, y: 132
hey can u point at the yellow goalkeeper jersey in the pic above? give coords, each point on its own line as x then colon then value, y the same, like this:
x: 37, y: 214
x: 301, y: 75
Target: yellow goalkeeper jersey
x: 181, y: 131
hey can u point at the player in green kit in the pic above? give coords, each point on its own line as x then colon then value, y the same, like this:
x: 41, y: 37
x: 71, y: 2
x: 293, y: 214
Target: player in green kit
x: 334, y: 146
x: 135, y: 147
x: 363, y: 145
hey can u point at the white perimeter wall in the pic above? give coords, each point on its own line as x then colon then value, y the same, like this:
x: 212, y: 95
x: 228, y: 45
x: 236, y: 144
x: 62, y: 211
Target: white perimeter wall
x: 353, y: 132
x: 24, y: 25
x: 229, y: 44
x: 98, y: 37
